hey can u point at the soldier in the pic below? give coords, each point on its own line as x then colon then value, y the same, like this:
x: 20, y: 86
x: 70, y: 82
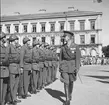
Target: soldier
x: 13, y: 68
x: 69, y: 64
x: 55, y: 63
x: 25, y: 64
x: 20, y: 85
x: 35, y: 65
x: 4, y: 72
x: 41, y: 65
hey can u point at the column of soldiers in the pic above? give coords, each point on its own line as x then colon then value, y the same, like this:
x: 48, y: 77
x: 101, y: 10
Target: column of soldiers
x: 25, y: 69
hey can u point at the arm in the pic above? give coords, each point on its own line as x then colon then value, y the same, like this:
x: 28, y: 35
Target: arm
x: 22, y: 53
x: 78, y: 56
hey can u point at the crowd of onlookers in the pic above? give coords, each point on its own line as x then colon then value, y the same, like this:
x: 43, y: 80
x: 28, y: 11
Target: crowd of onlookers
x: 89, y: 60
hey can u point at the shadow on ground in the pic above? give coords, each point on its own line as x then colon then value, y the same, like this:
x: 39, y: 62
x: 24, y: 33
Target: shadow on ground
x: 98, y: 77
x: 106, y: 82
x: 56, y: 94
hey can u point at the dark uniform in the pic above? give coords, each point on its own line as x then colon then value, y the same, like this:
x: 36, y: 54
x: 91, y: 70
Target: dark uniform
x: 13, y: 68
x: 69, y: 64
x: 4, y: 72
x: 25, y: 64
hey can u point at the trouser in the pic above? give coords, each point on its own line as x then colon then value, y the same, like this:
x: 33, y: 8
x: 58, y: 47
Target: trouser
x: 20, y: 86
x: 14, y: 81
x: 35, y: 78
x: 31, y: 84
x: 26, y: 80
x: 40, y: 82
x: 44, y: 76
x: 49, y: 74
x: 3, y: 89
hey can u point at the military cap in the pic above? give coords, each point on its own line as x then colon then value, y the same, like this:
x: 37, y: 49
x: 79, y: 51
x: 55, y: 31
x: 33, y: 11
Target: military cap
x: 67, y: 33
x: 46, y: 44
x: 2, y: 35
x: 25, y: 40
x: 13, y: 38
x: 36, y: 43
x: 18, y: 45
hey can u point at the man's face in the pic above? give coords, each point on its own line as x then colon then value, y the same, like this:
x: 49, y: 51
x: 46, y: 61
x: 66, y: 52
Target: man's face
x: 28, y: 42
x: 16, y: 41
x: 67, y: 38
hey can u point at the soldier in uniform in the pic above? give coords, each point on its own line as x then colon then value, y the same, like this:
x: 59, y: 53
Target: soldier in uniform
x: 25, y: 64
x: 4, y: 72
x: 41, y: 65
x: 35, y: 65
x: 69, y: 64
x: 13, y: 68
x: 20, y: 85
x: 55, y: 63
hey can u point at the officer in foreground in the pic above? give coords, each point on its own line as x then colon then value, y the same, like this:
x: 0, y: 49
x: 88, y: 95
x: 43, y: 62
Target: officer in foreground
x: 69, y: 64
x: 4, y: 71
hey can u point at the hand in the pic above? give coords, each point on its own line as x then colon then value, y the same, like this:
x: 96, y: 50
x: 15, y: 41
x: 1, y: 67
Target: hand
x: 21, y: 70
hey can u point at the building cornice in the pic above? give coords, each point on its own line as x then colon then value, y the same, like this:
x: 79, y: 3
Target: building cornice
x: 49, y: 15
x: 54, y: 32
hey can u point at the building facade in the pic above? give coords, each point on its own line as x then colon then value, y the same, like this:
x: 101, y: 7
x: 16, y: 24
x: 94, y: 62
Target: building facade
x: 48, y: 27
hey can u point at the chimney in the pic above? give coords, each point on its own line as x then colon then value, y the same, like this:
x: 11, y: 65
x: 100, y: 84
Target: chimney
x: 71, y: 8
x: 42, y: 11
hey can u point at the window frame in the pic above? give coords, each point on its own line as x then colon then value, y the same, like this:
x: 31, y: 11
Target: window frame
x: 82, y: 38
x: 93, y: 36
x: 34, y: 28
x: 15, y: 28
x: 82, y: 25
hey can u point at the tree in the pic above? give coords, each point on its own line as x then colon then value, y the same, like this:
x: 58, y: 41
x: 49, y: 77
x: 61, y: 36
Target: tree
x: 105, y: 50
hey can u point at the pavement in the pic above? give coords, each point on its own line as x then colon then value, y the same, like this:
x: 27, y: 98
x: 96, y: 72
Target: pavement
x: 92, y: 90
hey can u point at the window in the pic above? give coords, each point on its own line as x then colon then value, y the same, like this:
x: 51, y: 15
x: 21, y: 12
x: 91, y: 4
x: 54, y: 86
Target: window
x: 92, y: 24
x: 82, y: 25
x: 82, y: 39
x: 52, y: 27
x: 0, y: 28
x: 43, y: 27
x: 25, y: 28
x: 72, y: 25
x: 34, y: 28
x: 62, y: 26
x: 16, y: 28
x: 43, y: 39
x: 92, y: 39
x: 8, y: 28
x: 52, y: 40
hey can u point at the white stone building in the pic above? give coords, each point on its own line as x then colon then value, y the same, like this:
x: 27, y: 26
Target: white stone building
x: 48, y: 27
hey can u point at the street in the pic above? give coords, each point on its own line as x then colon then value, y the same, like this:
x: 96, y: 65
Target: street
x: 93, y: 90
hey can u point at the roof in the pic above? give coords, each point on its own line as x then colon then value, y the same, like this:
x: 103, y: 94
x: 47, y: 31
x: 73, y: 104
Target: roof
x: 49, y: 15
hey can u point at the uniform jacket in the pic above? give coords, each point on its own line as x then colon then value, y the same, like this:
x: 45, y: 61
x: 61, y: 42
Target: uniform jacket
x: 26, y: 57
x: 69, y: 58
x: 35, y: 59
x: 4, y: 71
x: 13, y: 59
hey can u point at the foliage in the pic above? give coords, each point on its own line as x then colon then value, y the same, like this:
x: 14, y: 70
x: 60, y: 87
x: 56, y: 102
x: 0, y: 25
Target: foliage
x: 105, y: 50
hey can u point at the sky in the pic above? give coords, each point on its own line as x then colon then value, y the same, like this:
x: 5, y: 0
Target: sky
x: 9, y: 7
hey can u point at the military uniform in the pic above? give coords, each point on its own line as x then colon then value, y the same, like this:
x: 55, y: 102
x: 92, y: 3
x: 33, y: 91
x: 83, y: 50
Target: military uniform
x: 35, y: 65
x: 13, y: 68
x: 69, y: 64
x: 4, y: 71
x: 25, y: 64
x: 41, y: 66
